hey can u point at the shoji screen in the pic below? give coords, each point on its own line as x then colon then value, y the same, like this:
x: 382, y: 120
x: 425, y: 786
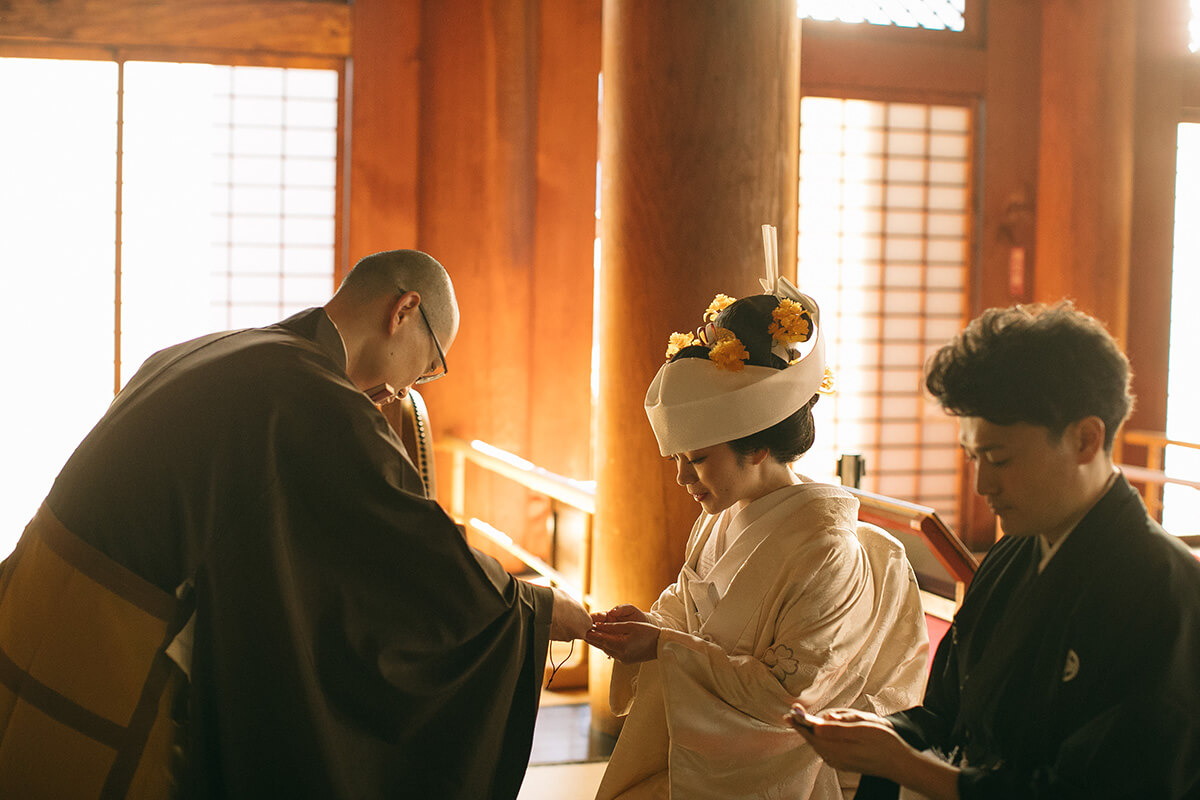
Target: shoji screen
x: 884, y: 239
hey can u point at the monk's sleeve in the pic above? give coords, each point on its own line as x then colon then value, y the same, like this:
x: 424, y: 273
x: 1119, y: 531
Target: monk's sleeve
x: 412, y: 634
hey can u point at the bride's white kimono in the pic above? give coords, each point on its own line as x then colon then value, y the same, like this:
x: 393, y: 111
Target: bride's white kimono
x: 805, y: 604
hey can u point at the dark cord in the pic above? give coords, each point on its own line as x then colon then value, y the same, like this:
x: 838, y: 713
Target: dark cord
x: 554, y: 667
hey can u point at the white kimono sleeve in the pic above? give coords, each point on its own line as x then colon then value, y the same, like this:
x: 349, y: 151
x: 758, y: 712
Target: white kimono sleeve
x: 808, y: 654
x: 725, y: 712
x: 667, y: 612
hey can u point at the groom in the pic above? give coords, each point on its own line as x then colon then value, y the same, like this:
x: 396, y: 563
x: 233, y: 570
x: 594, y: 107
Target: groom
x: 1071, y: 668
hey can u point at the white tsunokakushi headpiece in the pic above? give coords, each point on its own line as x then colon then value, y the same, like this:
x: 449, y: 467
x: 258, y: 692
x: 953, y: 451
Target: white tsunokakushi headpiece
x: 694, y: 403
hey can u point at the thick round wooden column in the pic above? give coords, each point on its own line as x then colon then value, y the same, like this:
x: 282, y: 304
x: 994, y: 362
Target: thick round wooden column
x: 1085, y: 171
x: 699, y: 148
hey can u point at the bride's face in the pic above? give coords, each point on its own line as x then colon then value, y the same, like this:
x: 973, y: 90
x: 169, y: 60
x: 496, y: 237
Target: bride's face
x: 715, y: 477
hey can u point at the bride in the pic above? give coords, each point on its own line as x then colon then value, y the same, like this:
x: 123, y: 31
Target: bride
x: 783, y: 595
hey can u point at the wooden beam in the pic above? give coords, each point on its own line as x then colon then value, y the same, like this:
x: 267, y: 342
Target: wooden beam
x: 281, y: 26
x: 849, y: 65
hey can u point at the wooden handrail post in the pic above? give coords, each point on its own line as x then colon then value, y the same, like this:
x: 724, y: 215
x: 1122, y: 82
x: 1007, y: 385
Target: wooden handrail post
x: 458, y: 485
x: 1153, y: 493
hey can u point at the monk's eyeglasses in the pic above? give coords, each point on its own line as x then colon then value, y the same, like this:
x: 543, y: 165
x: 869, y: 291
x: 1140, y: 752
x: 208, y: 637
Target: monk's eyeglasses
x: 440, y: 369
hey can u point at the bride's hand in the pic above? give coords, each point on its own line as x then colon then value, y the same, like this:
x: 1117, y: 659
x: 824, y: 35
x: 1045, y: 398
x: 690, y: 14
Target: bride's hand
x: 628, y: 642
x: 621, y: 613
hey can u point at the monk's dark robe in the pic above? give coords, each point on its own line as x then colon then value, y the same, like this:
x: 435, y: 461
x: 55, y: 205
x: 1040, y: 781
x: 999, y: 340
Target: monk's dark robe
x: 348, y: 642
x: 1082, y: 681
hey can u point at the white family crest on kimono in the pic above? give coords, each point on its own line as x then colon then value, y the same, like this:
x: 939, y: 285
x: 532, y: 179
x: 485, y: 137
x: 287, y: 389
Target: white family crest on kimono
x: 804, y: 604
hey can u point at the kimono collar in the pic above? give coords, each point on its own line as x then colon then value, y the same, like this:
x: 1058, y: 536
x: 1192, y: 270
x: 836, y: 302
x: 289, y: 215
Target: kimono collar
x: 1099, y: 520
x: 789, y: 516
x: 316, y: 326
x: 1047, y: 549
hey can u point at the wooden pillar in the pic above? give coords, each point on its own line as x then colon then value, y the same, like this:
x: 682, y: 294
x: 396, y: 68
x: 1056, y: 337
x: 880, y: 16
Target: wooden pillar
x: 1161, y: 53
x: 1085, y: 185
x: 699, y: 148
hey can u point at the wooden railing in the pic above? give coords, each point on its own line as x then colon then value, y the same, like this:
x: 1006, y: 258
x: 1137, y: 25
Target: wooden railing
x: 573, y: 670
x: 577, y: 494
x: 1152, y: 476
x: 951, y: 553
x: 886, y: 512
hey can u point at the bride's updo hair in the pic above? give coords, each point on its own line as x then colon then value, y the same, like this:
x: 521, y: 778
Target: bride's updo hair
x: 750, y: 319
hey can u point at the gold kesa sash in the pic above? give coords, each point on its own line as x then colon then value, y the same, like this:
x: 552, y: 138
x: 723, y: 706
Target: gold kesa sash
x: 85, y: 683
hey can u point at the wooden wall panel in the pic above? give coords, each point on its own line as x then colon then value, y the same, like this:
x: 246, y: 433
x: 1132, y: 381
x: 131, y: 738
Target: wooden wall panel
x: 1009, y: 155
x: 476, y: 200
x: 283, y: 26
x: 506, y: 201
x: 1190, y: 70
x: 383, y: 135
x: 1085, y: 172
x: 562, y: 295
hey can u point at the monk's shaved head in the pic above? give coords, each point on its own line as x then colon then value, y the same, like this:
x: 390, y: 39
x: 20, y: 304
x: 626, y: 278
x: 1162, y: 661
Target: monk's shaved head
x: 384, y: 275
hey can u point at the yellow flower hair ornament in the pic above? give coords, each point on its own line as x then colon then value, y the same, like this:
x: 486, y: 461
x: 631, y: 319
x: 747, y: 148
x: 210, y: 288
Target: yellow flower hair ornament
x: 719, y: 304
x: 678, y: 341
x: 828, y: 383
x: 728, y: 352
x: 792, y: 323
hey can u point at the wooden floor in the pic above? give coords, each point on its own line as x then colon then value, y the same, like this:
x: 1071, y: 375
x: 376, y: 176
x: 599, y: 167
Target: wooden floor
x: 568, y: 758
x: 562, y: 781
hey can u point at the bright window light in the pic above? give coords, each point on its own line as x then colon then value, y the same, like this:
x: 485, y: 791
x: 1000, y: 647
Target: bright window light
x: 1194, y: 27
x: 227, y: 220
x: 234, y: 219
x: 930, y: 14
x: 57, y: 227
x: 1181, y: 504
x: 884, y: 228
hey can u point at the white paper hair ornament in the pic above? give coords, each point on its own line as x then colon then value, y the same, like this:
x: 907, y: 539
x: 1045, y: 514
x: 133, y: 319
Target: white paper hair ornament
x: 692, y: 403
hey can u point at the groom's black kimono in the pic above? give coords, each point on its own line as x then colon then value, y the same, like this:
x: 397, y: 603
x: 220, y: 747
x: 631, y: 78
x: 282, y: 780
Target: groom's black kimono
x: 1079, y: 682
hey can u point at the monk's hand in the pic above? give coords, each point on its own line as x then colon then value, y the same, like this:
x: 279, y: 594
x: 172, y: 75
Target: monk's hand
x: 622, y: 613
x: 628, y: 642
x: 856, y: 741
x: 570, y: 619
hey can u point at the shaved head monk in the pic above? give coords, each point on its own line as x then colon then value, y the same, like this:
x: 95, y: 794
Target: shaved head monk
x: 238, y: 588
